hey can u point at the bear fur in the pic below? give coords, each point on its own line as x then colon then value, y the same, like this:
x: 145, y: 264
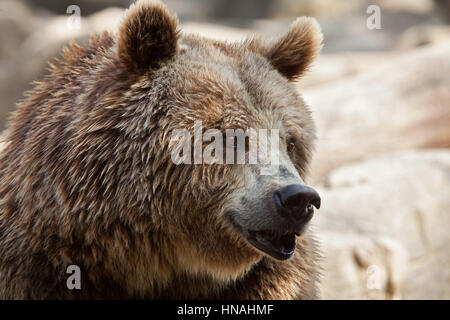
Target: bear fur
x: 86, y: 176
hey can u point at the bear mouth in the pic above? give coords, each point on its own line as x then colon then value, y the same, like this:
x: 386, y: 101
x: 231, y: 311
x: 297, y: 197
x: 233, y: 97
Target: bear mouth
x: 278, y: 246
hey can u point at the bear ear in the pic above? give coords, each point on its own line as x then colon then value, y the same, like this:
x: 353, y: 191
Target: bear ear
x: 147, y: 36
x: 293, y: 53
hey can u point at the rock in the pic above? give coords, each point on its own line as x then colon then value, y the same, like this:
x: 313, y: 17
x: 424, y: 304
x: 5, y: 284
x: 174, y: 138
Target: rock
x: 403, y: 103
x: 318, y: 8
x: 443, y: 9
x: 46, y: 43
x: 336, y: 67
x: 361, y: 267
x: 423, y: 35
x: 391, y: 211
x: 30, y: 61
x: 17, y: 21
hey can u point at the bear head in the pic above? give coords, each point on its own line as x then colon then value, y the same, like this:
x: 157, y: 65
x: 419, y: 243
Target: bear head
x: 221, y: 217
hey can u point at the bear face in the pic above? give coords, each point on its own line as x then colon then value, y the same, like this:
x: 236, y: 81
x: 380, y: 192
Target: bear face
x: 95, y: 181
x: 231, y: 87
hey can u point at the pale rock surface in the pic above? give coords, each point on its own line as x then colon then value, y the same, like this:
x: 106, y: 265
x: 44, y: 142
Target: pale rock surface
x: 391, y: 212
x: 403, y: 103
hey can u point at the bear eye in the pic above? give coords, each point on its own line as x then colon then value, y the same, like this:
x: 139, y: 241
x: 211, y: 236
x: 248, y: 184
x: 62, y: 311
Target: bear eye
x: 290, y: 145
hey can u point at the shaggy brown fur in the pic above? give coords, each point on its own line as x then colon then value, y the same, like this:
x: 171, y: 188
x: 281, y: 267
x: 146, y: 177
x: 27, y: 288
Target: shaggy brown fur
x: 86, y: 176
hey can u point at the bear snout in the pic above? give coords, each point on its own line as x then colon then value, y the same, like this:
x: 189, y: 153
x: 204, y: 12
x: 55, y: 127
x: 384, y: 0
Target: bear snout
x: 272, y: 223
x: 295, y: 202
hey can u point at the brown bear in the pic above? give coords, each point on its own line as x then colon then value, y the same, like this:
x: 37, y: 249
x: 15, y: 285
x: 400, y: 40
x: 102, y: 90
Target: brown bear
x: 87, y: 176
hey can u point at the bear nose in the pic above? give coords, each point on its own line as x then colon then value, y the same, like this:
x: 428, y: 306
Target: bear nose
x: 296, y: 201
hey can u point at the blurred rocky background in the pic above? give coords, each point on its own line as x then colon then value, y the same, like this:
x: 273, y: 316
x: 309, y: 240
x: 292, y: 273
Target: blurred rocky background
x: 381, y: 99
